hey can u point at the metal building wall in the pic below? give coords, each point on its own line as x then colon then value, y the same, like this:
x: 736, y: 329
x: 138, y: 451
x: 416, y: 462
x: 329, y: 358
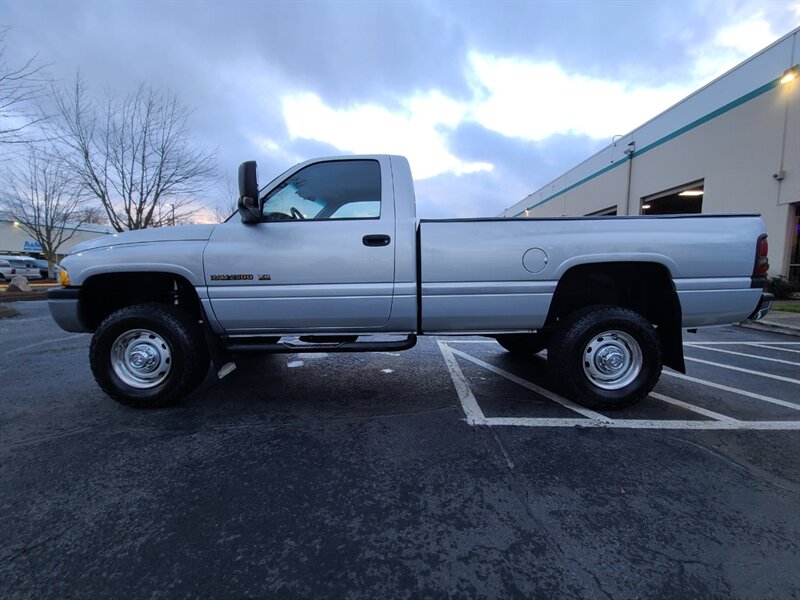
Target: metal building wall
x: 735, y: 134
x: 15, y: 240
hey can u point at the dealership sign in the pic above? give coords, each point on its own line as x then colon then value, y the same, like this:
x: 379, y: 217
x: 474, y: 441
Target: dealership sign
x: 30, y: 246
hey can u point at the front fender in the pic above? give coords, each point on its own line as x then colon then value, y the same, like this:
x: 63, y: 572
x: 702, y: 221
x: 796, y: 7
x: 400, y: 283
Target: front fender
x: 184, y: 259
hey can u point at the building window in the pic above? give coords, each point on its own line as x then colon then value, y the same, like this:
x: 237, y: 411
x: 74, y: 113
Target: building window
x: 611, y: 211
x: 682, y: 200
x: 794, y: 258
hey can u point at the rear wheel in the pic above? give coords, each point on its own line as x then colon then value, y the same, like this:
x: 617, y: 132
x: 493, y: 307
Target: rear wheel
x: 148, y: 355
x: 522, y: 343
x: 605, y: 357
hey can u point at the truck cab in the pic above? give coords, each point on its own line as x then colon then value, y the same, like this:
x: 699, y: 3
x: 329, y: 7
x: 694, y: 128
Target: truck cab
x: 331, y: 250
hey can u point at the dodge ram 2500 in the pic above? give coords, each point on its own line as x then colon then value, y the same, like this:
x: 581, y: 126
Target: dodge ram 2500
x: 330, y: 257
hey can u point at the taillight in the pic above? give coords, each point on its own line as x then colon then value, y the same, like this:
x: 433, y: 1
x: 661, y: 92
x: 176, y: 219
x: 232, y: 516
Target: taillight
x: 762, y: 257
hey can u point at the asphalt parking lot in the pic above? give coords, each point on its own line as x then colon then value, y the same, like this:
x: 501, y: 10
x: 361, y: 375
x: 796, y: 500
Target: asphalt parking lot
x: 452, y: 469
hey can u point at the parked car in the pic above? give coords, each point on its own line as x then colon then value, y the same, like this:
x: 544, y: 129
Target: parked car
x: 5, y: 270
x: 20, y: 266
x: 24, y: 257
x: 44, y: 269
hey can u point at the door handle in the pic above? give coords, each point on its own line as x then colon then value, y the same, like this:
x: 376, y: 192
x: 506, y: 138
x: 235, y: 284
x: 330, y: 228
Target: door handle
x: 376, y: 240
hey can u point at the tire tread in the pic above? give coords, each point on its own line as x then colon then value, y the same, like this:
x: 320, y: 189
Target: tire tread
x: 567, y: 334
x: 195, y: 354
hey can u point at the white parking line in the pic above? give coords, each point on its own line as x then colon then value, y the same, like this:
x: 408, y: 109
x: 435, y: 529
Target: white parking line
x: 475, y: 415
x: 63, y: 338
x: 719, y: 421
x: 727, y: 388
x: 468, y: 403
x: 588, y: 413
x: 645, y: 424
x: 743, y: 343
x: 741, y: 370
x: 29, y: 319
x: 771, y: 347
x: 700, y: 411
x: 777, y: 360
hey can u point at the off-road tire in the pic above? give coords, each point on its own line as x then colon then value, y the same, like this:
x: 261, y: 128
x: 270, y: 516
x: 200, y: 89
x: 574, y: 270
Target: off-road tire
x: 523, y: 344
x: 571, y: 345
x: 181, y: 334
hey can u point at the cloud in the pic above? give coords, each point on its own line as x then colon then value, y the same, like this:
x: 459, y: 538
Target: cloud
x: 734, y: 42
x: 536, y: 100
x: 415, y: 130
x: 482, y: 194
x: 520, y: 166
x: 531, y: 163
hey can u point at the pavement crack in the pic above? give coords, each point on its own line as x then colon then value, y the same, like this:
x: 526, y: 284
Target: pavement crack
x: 553, y: 533
x: 754, y: 472
x: 44, y: 438
x: 593, y: 575
x: 509, y: 462
x: 7, y: 560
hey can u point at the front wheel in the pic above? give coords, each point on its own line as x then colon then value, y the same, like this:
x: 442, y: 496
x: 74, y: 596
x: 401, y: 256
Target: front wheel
x: 605, y: 357
x: 148, y: 355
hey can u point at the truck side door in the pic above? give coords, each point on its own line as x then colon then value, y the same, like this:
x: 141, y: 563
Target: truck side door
x: 321, y: 259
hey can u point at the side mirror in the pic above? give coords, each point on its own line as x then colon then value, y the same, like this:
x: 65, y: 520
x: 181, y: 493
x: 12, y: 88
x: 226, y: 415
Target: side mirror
x: 249, y: 208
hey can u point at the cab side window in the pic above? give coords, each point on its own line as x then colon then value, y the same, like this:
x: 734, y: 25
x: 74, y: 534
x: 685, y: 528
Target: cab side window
x: 341, y: 189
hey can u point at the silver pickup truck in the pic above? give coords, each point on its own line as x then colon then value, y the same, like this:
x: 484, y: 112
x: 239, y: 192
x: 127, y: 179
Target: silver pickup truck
x: 330, y: 257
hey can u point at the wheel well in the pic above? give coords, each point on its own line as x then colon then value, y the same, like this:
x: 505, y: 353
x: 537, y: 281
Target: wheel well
x: 101, y: 295
x: 646, y: 288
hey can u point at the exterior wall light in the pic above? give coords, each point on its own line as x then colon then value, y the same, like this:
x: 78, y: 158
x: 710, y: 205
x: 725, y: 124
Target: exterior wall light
x: 790, y: 74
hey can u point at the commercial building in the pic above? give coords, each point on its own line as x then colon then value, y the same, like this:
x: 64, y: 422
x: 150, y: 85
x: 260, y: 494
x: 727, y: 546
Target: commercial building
x: 733, y: 146
x: 15, y: 240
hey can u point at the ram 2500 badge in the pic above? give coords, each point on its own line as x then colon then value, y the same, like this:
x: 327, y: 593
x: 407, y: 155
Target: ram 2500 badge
x: 330, y: 257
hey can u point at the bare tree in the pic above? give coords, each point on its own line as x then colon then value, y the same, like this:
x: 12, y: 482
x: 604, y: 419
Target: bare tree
x: 41, y: 198
x: 20, y: 86
x: 133, y: 154
x: 92, y: 215
x: 223, y: 210
x: 229, y: 204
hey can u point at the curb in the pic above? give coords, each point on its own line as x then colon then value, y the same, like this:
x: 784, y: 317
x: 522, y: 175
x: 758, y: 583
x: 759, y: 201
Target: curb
x: 771, y: 326
x: 21, y: 296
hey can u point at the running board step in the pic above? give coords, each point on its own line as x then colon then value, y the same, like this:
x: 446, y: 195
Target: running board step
x: 254, y: 345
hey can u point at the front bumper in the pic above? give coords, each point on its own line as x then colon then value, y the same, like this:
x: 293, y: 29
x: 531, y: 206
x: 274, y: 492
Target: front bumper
x: 64, y: 306
x: 764, y: 305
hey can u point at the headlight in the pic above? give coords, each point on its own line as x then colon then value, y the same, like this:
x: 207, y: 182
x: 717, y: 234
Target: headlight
x: 63, y: 277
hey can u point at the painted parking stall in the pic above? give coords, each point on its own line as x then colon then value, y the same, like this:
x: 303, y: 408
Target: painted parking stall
x: 747, y: 384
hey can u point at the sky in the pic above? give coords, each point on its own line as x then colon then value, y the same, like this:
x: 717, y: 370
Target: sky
x: 488, y: 100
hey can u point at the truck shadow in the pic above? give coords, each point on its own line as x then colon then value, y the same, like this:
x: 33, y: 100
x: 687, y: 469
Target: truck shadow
x: 327, y: 386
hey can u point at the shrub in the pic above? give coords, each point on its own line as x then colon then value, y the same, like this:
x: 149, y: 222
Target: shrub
x: 782, y: 287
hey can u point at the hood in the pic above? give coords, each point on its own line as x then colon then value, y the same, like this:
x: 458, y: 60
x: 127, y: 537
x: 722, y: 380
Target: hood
x: 182, y: 233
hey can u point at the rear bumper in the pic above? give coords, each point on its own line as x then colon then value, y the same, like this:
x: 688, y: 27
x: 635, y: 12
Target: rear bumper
x: 764, y: 305
x: 65, y: 309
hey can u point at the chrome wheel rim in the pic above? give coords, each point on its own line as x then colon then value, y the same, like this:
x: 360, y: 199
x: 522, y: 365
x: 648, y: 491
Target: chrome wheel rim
x: 141, y: 358
x: 612, y: 360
